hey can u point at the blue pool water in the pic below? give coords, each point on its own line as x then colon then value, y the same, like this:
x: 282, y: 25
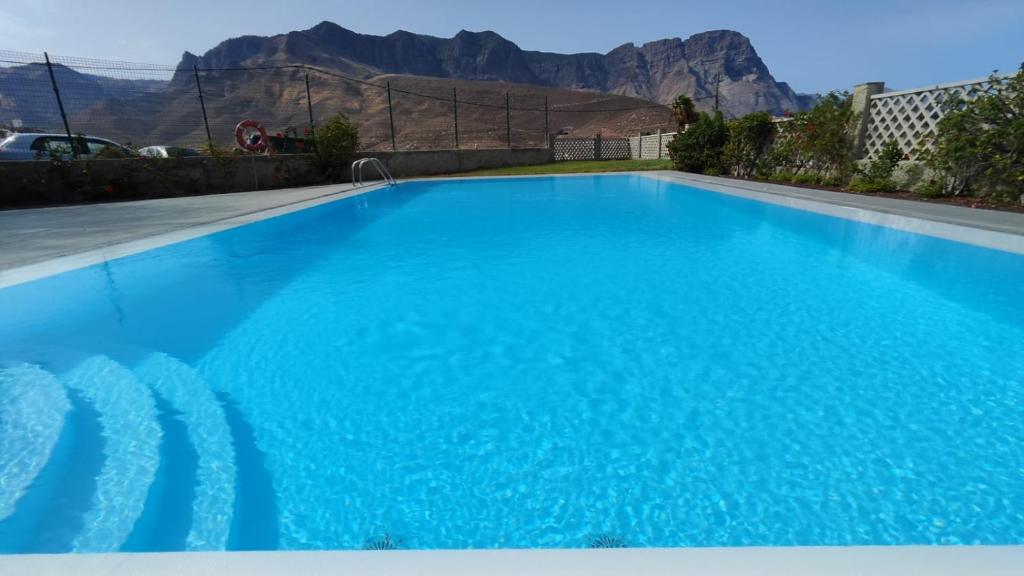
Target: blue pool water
x: 557, y: 362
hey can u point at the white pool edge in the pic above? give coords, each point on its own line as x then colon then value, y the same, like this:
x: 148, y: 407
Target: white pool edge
x: 752, y: 561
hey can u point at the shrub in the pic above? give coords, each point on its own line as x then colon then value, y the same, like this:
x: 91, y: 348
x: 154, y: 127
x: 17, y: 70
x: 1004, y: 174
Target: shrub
x: 882, y: 167
x: 700, y: 148
x: 336, y: 141
x: 877, y: 176
x: 865, y: 185
x: 931, y: 189
x: 979, y: 144
x: 750, y: 140
x: 819, y: 140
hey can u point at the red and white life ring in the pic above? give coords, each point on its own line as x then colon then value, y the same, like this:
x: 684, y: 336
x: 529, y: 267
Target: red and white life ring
x: 245, y: 134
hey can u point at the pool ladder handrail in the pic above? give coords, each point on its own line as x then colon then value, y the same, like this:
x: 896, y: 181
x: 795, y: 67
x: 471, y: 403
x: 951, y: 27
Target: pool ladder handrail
x: 357, y: 176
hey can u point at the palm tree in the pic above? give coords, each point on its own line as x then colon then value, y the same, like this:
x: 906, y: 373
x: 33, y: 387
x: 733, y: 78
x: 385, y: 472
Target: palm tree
x: 683, y: 110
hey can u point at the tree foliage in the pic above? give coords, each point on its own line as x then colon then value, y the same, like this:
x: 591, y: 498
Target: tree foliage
x: 877, y: 175
x: 750, y: 140
x: 819, y: 140
x: 336, y: 141
x: 979, y: 144
x: 700, y: 148
x: 684, y: 111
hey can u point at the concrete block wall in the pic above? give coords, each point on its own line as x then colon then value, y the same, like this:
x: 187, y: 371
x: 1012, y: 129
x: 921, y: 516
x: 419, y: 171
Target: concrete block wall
x: 596, y: 148
x: 647, y: 147
x: 411, y: 163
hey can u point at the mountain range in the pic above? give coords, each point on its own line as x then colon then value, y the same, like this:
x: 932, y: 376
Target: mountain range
x: 620, y: 93
x: 27, y: 100
x: 657, y: 71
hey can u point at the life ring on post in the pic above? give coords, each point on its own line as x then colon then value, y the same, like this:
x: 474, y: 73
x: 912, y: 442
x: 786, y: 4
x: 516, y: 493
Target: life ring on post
x: 245, y: 136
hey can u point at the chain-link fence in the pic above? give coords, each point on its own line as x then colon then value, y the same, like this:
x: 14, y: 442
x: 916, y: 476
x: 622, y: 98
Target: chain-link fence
x: 146, y: 104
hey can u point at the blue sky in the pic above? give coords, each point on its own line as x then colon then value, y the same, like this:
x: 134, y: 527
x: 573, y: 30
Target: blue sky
x: 815, y: 46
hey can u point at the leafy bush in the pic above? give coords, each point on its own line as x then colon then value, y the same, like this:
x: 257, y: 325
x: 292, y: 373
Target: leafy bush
x: 700, y: 148
x: 885, y: 163
x: 865, y: 185
x: 932, y: 189
x: 877, y: 176
x: 336, y: 141
x: 979, y: 145
x: 808, y: 178
x: 819, y: 140
x: 750, y: 140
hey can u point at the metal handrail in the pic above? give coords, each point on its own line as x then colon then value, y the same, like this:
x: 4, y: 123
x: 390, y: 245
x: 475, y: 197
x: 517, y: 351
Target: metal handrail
x: 357, y: 171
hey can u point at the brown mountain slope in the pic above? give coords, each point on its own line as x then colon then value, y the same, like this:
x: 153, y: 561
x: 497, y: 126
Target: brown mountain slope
x: 423, y: 111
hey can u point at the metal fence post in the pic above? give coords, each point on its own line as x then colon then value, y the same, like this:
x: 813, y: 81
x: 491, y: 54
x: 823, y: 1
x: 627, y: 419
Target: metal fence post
x: 455, y: 114
x: 309, y: 106
x: 60, y: 105
x: 597, y: 146
x: 547, y: 130
x: 391, y: 118
x: 202, y: 104
x: 508, y: 121
x: 660, y: 130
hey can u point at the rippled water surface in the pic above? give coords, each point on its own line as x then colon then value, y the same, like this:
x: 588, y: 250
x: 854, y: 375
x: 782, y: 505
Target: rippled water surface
x: 553, y: 362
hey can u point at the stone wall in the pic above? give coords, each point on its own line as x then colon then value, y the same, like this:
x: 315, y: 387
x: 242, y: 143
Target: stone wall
x: 43, y: 183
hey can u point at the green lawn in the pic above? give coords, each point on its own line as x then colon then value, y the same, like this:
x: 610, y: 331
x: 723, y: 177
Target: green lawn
x: 575, y: 166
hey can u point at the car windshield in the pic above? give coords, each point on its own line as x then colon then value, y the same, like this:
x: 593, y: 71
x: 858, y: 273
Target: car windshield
x: 56, y: 146
x: 105, y: 149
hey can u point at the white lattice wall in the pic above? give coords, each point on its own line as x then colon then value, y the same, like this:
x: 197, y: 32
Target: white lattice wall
x: 591, y: 149
x: 646, y: 147
x: 910, y: 116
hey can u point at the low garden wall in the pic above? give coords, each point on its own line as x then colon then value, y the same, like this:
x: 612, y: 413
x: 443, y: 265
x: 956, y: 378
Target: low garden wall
x: 412, y: 163
x: 43, y: 183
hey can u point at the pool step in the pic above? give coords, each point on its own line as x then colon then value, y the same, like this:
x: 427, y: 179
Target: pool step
x: 200, y: 410
x: 128, y: 416
x: 33, y: 405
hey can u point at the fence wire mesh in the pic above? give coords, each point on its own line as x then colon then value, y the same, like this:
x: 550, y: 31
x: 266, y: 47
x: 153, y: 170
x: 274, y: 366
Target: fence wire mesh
x: 152, y: 104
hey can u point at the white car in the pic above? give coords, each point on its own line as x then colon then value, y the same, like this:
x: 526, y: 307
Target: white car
x: 167, y: 152
x: 28, y: 146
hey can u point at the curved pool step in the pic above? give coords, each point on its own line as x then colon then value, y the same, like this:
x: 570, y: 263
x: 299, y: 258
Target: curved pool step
x: 33, y: 405
x: 208, y: 431
x: 128, y: 416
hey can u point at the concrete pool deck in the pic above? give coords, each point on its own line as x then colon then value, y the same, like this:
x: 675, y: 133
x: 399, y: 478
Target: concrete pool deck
x: 38, y: 242
x: 991, y: 220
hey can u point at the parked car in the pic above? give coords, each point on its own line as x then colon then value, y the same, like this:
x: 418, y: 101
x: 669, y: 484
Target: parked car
x: 168, y: 152
x: 31, y: 146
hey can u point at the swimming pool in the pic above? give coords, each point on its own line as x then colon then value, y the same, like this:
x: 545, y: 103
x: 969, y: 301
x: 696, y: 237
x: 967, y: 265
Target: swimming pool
x: 518, y: 363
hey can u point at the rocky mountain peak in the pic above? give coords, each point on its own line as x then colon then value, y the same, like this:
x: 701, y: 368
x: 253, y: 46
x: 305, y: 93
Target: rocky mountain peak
x: 658, y: 70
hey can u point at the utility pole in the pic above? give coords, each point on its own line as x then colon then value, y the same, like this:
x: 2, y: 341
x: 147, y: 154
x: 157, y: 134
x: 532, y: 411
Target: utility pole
x: 547, y: 129
x: 455, y: 114
x: 60, y: 104
x: 391, y: 118
x: 309, y: 107
x: 508, y: 121
x: 718, y: 80
x: 202, y: 105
